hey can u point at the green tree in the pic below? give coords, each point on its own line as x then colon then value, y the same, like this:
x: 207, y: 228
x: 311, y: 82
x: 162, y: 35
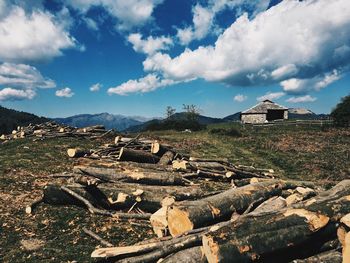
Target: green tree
x: 341, y: 113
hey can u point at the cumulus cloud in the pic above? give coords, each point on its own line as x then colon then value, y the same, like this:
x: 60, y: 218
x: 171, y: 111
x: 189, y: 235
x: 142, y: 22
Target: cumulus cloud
x: 64, y: 93
x: 146, y: 84
x: 131, y: 13
x: 244, y: 54
x: 10, y: 94
x: 302, y: 86
x: 302, y: 99
x: 271, y: 96
x: 96, y: 87
x: 33, y: 36
x: 204, y: 17
x: 240, y: 98
x: 149, y: 45
x: 23, y: 76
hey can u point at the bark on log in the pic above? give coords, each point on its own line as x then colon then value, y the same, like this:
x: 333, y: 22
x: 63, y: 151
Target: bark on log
x: 113, y: 175
x: 76, y: 152
x: 166, y: 158
x: 188, y: 215
x: 159, y: 149
x: 137, y: 156
x: 282, y: 233
x: 332, y: 256
x: 189, y: 255
x: 122, y: 195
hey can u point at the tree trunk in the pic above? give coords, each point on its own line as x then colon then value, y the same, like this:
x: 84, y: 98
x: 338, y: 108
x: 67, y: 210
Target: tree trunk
x: 113, y: 175
x: 76, y: 152
x: 137, y: 156
x: 166, y: 159
x: 281, y: 234
x: 193, y: 214
x: 189, y: 255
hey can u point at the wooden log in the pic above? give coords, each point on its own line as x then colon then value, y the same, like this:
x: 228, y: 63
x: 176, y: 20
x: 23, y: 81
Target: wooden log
x: 159, y: 149
x: 151, y: 252
x: 113, y: 175
x: 137, y: 156
x: 189, y: 215
x: 332, y: 256
x: 76, y: 152
x: 166, y: 158
x: 97, y: 237
x: 189, y: 255
x: 280, y: 234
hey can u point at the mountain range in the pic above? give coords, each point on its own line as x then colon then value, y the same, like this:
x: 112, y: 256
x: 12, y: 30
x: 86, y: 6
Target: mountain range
x: 10, y: 119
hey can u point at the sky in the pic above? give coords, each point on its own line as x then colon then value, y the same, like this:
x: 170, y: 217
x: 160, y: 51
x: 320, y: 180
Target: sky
x: 60, y: 58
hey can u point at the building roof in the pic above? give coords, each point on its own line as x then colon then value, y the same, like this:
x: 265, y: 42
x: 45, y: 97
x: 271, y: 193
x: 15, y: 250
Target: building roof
x: 263, y: 106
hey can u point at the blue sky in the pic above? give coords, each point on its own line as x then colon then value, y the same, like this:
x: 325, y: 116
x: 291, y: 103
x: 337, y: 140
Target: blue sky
x: 139, y: 56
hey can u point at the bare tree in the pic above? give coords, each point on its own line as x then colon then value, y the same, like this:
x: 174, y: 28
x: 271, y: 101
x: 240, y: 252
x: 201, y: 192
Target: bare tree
x: 169, y: 111
x: 192, y: 111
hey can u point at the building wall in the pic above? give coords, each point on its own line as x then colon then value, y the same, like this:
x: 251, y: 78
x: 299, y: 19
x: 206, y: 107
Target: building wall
x: 285, y: 115
x: 253, y: 118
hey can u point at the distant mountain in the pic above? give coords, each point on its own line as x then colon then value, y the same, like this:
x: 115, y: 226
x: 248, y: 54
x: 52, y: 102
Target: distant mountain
x: 205, y: 120
x: 233, y: 117
x: 11, y: 119
x: 305, y: 114
x: 110, y: 121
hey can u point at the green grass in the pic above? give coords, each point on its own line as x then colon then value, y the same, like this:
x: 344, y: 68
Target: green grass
x: 308, y: 153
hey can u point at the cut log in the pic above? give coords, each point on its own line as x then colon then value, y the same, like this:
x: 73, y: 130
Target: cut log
x: 137, y: 156
x: 188, y: 215
x: 159, y: 149
x: 332, y: 256
x: 167, y: 158
x: 113, y: 175
x: 76, y: 152
x: 155, y: 251
x: 280, y: 234
x: 189, y: 255
x: 122, y: 195
x: 346, y: 248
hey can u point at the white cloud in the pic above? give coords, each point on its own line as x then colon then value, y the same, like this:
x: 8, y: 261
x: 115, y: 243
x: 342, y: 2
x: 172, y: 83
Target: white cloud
x: 146, y: 84
x: 130, y: 13
x: 90, y: 23
x: 23, y: 76
x: 65, y: 92
x: 302, y: 86
x: 204, y: 17
x: 306, y: 98
x: 34, y: 36
x: 271, y: 96
x: 149, y: 45
x: 240, y: 98
x: 10, y: 94
x: 245, y: 55
x: 96, y: 87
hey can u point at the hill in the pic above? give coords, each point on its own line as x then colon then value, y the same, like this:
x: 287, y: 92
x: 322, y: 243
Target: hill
x: 202, y: 120
x: 110, y: 121
x: 11, y: 119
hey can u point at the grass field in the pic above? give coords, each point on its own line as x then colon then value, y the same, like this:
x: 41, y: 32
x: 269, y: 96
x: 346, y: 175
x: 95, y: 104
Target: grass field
x: 308, y: 153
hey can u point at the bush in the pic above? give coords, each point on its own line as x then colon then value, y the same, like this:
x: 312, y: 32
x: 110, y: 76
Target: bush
x: 232, y: 132
x: 341, y: 113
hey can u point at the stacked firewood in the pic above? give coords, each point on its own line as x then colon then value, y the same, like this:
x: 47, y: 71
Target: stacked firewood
x: 53, y: 130
x: 250, y: 216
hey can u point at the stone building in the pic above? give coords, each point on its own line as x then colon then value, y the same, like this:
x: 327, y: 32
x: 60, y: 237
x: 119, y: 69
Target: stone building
x: 263, y: 112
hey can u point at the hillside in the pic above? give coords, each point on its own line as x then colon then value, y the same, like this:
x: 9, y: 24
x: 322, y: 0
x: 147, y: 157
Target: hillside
x: 11, y: 119
x: 110, y: 121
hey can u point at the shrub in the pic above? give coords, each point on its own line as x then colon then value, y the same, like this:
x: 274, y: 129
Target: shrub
x: 341, y: 113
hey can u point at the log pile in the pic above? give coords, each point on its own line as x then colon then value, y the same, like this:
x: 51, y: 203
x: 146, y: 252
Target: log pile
x: 253, y: 216
x: 54, y: 130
